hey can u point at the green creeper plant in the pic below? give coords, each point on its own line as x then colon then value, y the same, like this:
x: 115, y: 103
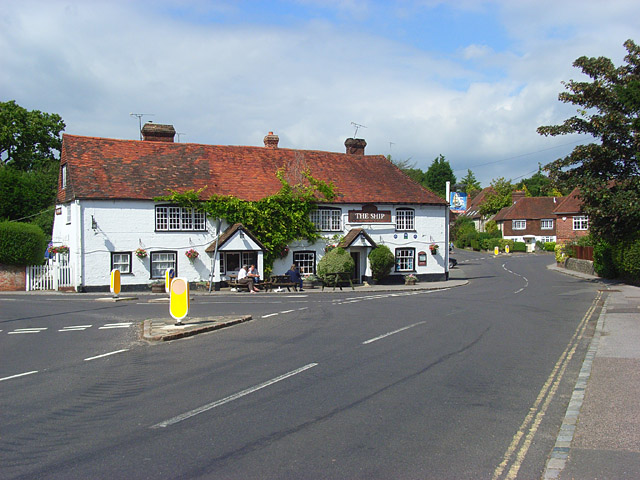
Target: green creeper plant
x: 276, y: 220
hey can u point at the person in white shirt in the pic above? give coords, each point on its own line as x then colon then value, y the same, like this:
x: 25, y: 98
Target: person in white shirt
x: 243, y: 279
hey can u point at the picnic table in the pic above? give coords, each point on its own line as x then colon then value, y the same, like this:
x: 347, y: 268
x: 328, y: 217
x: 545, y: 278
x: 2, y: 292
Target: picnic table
x: 280, y: 281
x: 336, y: 280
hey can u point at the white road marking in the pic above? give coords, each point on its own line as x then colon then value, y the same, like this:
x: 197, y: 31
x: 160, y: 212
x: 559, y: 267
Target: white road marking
x: 287, y: 311
x: 19, y: 375
x: 371, y: 340
x: 269, y: 315
x: 74, y: 328
x: 115, y: 325
x: 106, y: 354
x: 230, y: 398
x: 28, y: 330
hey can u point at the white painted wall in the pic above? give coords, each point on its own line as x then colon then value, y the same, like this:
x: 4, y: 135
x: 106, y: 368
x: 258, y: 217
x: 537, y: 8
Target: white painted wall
x: 124, y: 226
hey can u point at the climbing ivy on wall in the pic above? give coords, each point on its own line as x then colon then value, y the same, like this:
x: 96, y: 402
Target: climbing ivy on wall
x: 276, y: 220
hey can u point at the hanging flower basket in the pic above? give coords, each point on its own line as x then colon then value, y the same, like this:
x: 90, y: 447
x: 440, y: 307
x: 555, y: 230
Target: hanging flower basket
x: 141, y: 253
x: 192, y: 254
x: 284, y: 252
x: 433, y: 248
x: 61, y: 249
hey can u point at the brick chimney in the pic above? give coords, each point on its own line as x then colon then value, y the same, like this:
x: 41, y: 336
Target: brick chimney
x: 355, y: 146
x: 154, y: 132
x: 271, y: 140
x: 517, y: 195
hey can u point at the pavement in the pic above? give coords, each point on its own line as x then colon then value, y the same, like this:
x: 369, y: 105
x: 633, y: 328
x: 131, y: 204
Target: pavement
x: 600, y: 434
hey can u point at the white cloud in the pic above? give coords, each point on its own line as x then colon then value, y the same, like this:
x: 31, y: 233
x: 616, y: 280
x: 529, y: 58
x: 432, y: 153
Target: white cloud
x: 224, y: 83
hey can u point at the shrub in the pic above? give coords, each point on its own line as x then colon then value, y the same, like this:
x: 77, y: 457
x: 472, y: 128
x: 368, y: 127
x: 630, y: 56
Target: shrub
x: 549, y: 246
x: 602, y: 259
x: 337, y: 260
x: 627, y: 259
x: 519, y: 247
x: 503, y: 242
x: 382, y: 261
x: 561, y: 256
x: 491, y: 243
x: 21, y: 244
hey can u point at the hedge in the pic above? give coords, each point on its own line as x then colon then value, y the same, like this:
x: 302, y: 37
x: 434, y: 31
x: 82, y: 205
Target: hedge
x: 21, y: 244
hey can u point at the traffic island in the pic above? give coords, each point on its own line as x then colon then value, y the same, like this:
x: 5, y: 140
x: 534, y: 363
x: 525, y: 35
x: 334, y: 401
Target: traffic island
x: 165, y: 329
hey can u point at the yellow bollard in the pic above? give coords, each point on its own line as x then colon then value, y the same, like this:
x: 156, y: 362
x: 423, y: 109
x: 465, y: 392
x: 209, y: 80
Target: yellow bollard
x: 115, y: 282
x: 179, y: 299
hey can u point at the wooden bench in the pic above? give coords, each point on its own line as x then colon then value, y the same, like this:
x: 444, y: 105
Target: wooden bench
x: 281, y: 281
x: 238, y: 286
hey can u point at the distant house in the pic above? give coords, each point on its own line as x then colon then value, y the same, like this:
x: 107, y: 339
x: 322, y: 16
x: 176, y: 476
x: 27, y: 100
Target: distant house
x: 528, y: 219
x: 473, y: 209
x: 107, y: 216
x: 571, y: 222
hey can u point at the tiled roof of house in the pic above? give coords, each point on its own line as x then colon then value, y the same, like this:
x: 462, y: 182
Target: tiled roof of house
x: 571, y: 204
x: 103, y: 168
x: 228, y: 233
x: 473, y: 207
x: 529, y: 208
x: 352, y: 235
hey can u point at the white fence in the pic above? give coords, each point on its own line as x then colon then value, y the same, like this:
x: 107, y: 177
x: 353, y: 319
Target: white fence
x: 51, y: 276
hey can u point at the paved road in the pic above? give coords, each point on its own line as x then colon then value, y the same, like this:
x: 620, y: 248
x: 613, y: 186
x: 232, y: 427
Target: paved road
x: 464, y: 383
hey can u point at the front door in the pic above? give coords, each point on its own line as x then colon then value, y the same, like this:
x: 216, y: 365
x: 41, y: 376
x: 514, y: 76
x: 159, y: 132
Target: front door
x: 355, y: 275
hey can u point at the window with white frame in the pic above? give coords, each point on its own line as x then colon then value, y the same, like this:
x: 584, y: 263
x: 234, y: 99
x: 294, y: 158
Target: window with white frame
x: 327, y: 219
x: 306, y: 262
x: 160, y: 261
x: 581, y: 222
x: 121, y: 261
x: 405, y: 259
x: 546, y: 224
x: 405, y: 219
x: 63, y: 176
x: 250, y: 258
x: 519, y: 224
x: 169, y: 218
x: 547, y: 239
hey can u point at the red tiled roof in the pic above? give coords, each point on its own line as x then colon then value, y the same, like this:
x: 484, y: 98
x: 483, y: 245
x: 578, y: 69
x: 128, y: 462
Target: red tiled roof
x: 473, y: 207
x: 528, y: 208
x: 571, y: 204
x: 103, y: 168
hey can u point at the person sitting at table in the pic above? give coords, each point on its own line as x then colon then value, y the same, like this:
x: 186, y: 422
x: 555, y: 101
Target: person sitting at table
x: 253, y: 273
x: 243, y: 279
x: 294, y: 276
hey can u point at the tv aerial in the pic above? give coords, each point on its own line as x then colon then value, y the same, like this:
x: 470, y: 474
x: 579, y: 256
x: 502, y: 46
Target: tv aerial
x: 357, y: 125
x: 140, y: 115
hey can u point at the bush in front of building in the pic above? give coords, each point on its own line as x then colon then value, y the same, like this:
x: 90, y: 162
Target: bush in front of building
x: 618, y: 260
x: 21, y: 244
x: 382, y: 262
x: 337, y: 260
x: 519, y: 247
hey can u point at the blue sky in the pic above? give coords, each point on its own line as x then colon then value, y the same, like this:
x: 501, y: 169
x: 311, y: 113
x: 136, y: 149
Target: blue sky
x: 470, y: 80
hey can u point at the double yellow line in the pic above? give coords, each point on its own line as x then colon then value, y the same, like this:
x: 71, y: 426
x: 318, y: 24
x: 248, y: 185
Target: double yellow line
x: 521, y: 442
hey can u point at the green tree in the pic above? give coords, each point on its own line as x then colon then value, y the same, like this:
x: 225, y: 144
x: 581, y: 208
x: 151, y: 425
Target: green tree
x: 471, y: 185
x: 499, y: 198
x: 382, y: 261
x: 438, y: 174
x: 29, y: 140
x: 607, y: 172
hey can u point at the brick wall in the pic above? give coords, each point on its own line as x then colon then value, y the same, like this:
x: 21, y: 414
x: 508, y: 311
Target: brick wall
x: 12, y: 278
x: 565, y: 232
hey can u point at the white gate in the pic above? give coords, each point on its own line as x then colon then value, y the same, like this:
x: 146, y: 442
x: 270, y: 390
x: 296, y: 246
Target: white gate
x: 50, y: 276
